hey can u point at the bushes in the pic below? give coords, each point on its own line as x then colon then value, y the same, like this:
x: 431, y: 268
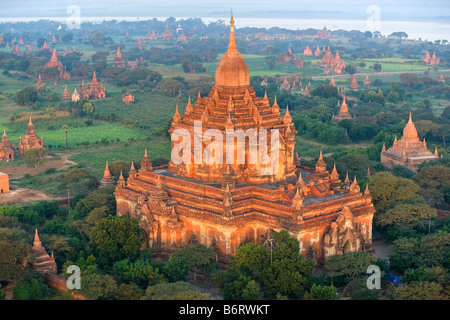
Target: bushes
x: 26, y: 96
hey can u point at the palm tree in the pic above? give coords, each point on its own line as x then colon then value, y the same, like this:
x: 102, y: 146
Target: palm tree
x: 88, y: 108
x: 65, y: 126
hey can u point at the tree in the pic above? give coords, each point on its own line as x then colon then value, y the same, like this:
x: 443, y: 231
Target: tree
x: 140, y: 272
x: 418, y: 290
x: 319, y: 292
x: 176, y: 268
x: 377, y: 67
x: 88, y: 108
x: 174, y: 291
x: 65, y: 127
x: 429, y: 251
x: 270, y: 62
x: 13, y: 257
x: 198, y: 258
x: 78, y: 180
x: 242, y: 288
x: 435, y: 184
x: 387, y: 190
x: 350, y: 265
x: 171, y: 86
x: 35, y: 157
x: 26, y: 96
x: 117, y: 238
x: 406, y: 213
x: 130, y: 292
x: 98, y: 287
x: 32, y: 289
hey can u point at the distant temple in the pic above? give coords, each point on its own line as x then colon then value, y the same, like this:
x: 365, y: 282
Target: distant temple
x: 118, y: 59
x: 139, y: 44
x: 354, y: 84
x: 55, y: 63
x: 225, y: 204
x: 66, y: 94
x: 441, y: 79
x: 343, y: 113
x: 285, y: 86
x: 127, y: 98
x: 30, y: 140
x: 322, y: 34
x: 430, y: 60
x: 76, y: 95
x: 409, y: 151
x: 94, y: 90
x: 6, y: 149
x: 167, y: 35
x: 107, y: 177
x: 44, y: 46
x: 298, y: 63
x: 286, y: 56
x: 307, y: 51
x: 332, y: 83
x: 367, y: 81
x: 317, y: 53
x: 44, y: 263
x: 336, y: 64
x: 39, y: 84
x: 181, y: 36
x: 16, y: 51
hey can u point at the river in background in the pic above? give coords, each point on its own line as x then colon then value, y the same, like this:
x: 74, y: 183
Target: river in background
x: 425, y: 30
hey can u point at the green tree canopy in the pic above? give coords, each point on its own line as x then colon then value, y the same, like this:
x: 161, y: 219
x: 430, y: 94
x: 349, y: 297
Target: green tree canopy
x: 117, y: 238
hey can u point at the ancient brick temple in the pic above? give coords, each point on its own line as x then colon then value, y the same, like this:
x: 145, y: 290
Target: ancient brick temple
x: 94, y: 90
x: 44, y: 263
x: 4, y: 183
x: 6, y: 149
x: 30, y: 140
x: 343, y: 113
x: 223, y: 204
x: 118, y: 59
x: 409, y: 151
x: 286, y: 56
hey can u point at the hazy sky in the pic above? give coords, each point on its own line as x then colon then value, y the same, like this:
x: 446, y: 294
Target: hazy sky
x: 312, y: 9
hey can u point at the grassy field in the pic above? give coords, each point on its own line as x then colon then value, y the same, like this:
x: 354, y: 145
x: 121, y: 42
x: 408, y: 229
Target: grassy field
x: 310, y: 149
x: 149, y: 109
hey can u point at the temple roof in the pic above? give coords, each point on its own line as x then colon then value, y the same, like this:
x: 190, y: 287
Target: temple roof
x: 410, y: 131
x: 232, y: 70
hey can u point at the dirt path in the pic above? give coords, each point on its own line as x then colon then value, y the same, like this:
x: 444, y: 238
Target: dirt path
x: 58, y: 161
x: 17, y: 195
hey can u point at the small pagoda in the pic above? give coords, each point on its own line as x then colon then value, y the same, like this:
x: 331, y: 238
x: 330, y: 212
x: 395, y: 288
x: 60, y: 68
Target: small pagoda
x: 307, y: 51
x: 409, y: 151
x: 30, y: 140
x: 343, y: 113
x: 6, y: 149
x: 44, y: 263
x: 118, y: 59
x: 354, y: 84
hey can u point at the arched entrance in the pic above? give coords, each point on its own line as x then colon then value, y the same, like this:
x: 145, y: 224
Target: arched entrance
x: 347, y: 247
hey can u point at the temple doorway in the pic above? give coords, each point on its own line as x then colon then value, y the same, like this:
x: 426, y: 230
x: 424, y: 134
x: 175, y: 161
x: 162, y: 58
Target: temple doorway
x: 348, y: 247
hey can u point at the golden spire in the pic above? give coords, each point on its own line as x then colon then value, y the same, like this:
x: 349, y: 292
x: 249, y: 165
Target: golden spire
x: 37, y: 243
x: 232, y: 44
